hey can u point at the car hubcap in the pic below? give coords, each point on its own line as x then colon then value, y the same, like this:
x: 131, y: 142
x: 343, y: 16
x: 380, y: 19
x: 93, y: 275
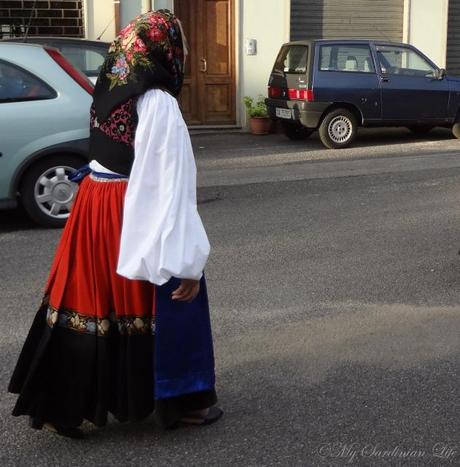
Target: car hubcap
x: 54, y: 193
x: 340, y: 129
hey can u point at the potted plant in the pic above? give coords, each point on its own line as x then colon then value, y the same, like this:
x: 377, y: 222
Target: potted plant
x: 259, y: 122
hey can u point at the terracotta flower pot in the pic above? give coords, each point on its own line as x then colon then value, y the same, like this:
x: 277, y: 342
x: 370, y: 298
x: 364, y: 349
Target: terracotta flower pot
x: 260, y: 125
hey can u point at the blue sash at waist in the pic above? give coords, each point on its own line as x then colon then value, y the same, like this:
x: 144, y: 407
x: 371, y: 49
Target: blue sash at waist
x: 86, y: 170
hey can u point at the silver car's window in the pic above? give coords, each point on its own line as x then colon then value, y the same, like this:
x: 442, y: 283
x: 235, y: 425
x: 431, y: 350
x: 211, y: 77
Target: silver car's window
x: 17, y: 84
x: 346, y: 57
x: 87, y: 59
x: 292, y: 59
x: 403, y: 61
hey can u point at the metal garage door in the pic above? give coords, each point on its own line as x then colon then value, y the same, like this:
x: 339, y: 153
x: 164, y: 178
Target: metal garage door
x: 327, y: 19
x: 453, y: 38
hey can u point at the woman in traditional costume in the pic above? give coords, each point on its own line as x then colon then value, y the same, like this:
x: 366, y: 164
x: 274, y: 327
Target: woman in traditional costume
x: 124, y: 325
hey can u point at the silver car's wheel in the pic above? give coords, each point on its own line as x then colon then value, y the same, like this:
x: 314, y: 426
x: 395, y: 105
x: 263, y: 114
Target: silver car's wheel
x: 46, y: 192
x: 340, y: 129
x: 54, y: 193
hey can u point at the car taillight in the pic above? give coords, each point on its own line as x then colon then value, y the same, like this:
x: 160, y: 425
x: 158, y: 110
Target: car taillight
x: 76, y: 75
x: 274, y: 92
x: 301, y: 94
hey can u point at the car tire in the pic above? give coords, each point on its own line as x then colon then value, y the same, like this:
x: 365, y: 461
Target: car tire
x: 296, y: 131
x: 338, y: 129
x: 456, y: 130
x: 420, y: 130
x: 46, y: 193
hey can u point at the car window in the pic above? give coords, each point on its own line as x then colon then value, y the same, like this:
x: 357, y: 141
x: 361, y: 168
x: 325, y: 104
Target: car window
x: 403, y: 61
x: 17, y: 84
x: 292, y: 59
x: 87, y: 59
x: 346, y: 57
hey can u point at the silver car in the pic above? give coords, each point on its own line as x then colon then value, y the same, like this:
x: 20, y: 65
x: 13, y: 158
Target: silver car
x: 44, y: 130
x: 87, y: 56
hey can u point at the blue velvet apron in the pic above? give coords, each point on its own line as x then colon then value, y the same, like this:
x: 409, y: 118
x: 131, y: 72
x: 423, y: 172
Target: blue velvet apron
x: 183, y: 354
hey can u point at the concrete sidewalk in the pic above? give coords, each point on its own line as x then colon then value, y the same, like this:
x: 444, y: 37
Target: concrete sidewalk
x: 233, y: 158
x: 225, y: 143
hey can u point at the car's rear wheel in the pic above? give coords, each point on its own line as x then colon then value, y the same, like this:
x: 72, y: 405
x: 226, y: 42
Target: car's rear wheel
x: 296, y: 131
x: 420, y: 130
x: 456, y: 130
x: 338, y: 129
x: 46, y: 192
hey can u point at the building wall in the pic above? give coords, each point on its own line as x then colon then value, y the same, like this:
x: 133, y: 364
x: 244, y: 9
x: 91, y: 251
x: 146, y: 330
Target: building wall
x: 129, y: 10
x: 162, y: 4
x: 427, y: 27
x: 100, y: 16
x: 453, y: 39
x: 268, y: 22
x: 51, y: 18
x: 331, y: 19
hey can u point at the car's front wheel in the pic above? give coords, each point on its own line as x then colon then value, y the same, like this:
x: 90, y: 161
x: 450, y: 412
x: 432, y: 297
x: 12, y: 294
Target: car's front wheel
x: 456, y: 130
x: 46, y: 192
x: 338, y: 129
x: 296, y: 131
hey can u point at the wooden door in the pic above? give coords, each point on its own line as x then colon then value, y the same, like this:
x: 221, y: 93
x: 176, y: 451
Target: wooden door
x: 208, y: 95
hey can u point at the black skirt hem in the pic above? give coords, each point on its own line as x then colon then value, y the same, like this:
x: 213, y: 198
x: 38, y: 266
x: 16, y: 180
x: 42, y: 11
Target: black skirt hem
x: 64, y: 376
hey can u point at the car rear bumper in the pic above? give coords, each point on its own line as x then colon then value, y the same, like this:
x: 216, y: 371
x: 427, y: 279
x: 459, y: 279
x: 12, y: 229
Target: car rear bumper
x: 8, y: 204
x: 307, y: 113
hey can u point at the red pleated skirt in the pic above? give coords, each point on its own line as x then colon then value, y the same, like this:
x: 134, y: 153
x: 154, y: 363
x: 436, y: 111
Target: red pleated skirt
x: 83, y: 276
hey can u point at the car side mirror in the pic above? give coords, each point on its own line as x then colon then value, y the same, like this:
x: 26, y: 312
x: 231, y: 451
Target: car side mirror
x: 440, y: 74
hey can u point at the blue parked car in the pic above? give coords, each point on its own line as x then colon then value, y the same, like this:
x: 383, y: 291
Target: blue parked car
x: 44, y: 130
x: 335, y: 86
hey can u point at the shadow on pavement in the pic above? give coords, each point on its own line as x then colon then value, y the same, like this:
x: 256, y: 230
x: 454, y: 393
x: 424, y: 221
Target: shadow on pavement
x: 15, y: 219
x: 358, y: 415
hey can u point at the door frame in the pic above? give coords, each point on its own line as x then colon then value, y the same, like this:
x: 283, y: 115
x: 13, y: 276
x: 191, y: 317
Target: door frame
x: 237, y: 11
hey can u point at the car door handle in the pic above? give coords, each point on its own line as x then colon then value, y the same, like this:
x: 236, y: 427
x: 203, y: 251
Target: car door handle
x: 384, y: 79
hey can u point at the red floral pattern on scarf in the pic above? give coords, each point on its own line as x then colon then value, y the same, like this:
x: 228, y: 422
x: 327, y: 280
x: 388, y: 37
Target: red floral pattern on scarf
x: 152, y: 33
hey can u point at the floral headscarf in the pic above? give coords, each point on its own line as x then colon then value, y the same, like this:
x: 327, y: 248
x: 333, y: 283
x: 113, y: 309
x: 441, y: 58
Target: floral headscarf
x: 148, y: 53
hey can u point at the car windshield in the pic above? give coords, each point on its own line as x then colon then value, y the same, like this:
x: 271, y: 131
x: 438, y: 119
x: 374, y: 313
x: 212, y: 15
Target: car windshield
x: 292, y: 59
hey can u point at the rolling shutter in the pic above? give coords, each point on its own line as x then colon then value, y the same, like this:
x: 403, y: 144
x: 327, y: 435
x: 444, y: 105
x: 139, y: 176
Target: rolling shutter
x: 453, y: 38
x: 343, y: 19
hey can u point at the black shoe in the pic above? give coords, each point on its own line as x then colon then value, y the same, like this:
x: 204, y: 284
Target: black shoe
x: 214, y: 414
x: 74, y: 433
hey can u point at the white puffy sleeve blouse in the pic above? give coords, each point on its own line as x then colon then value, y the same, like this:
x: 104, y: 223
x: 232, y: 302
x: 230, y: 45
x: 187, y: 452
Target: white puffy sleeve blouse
x: 162, y: 234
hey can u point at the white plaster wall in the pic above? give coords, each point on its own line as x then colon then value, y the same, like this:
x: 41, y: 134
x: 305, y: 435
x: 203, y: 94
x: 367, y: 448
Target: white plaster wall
x: 161, y: 4
x: 129, y: 9
x: 99, y: 14
x: 267, y: 21
x: 426, y: 27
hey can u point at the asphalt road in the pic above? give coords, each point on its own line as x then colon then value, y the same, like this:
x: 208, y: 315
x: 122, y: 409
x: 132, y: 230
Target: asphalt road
x: 334, y: 283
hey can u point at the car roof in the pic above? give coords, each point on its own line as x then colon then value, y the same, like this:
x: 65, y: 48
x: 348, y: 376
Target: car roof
x: 19, y: 44
x: 345, y: 41
x: 62, y: 40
